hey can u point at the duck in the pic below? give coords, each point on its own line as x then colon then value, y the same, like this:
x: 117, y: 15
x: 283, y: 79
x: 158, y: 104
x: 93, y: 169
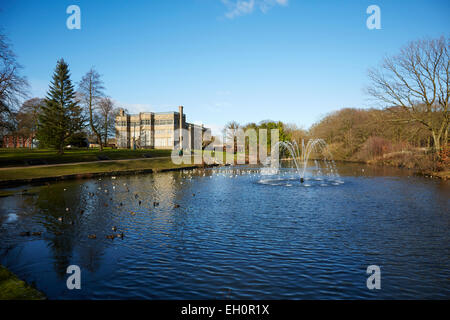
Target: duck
x: 120, y: 235
x: 36, y: 233
x: 82, y: 211
x: 25, y: 234
x: 60, y: 219
x: 114, y: 228
x: 92, y: 236
x: 58, y: 233
x: 140, y: 202
x: 176, y: 206
x: 155, y: 204
x: 133, y: 213
x: 110, y: 236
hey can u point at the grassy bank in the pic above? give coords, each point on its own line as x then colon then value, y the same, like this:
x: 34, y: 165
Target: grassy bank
x: 12, y: 288
x: 87, y: 168
x: 24, y: 156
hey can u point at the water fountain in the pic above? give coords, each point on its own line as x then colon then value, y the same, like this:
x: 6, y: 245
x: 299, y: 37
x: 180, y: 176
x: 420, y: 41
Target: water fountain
x: 301, y: 156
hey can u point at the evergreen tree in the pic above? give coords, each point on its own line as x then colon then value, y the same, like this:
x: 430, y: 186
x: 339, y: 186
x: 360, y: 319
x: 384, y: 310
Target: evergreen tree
x: 61, y: 116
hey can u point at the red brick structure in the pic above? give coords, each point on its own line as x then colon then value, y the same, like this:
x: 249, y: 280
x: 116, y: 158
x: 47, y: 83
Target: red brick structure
x: 12, y: 141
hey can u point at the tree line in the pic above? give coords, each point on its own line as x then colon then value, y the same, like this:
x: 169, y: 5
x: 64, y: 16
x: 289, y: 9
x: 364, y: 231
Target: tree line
x: 409, y: 122
x: 68, y: 115
x: 409, y: 127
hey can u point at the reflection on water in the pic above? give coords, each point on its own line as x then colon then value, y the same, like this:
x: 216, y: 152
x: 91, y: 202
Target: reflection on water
x: 233, y: 233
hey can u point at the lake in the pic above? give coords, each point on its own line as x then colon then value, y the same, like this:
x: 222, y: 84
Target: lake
x: 233, y: 233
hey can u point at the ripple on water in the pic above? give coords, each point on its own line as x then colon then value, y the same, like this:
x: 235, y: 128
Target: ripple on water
x: 250, y: 237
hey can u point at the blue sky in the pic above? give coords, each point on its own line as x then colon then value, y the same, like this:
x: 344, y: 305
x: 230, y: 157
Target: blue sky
x: 245, y: 60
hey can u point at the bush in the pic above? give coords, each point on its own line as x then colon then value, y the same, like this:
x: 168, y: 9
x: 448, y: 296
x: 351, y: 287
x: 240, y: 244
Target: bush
x: 373, y: 148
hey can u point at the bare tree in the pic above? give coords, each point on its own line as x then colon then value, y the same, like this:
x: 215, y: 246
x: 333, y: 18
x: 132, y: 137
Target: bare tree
x: 107, y: 113
x: 27, y: 117
x: 90, y: 90
x: 230, y: 130
x: 417, y: 82
x: 13, y: 86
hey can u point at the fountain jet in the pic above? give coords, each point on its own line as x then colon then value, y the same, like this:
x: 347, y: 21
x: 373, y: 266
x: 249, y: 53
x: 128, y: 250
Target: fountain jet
x: 301, y: 155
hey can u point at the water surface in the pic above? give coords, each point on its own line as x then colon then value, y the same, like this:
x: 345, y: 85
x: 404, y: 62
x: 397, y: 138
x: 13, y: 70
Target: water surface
x: 236, y: 234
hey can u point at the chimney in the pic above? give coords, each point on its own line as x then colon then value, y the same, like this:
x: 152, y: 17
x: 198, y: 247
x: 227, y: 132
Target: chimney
x: 180, y: 111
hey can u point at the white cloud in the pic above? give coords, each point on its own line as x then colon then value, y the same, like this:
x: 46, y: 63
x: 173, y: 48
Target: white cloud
x: 242, y: 7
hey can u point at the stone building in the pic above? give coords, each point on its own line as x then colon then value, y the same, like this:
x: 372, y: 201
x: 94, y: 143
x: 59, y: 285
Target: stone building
x: 156, y: 130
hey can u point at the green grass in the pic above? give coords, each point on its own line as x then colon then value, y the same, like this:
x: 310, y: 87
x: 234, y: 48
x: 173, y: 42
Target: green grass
x: 71, y: 162
x: 21, y: 156
x: 12, y: 288
x: 84, y: 168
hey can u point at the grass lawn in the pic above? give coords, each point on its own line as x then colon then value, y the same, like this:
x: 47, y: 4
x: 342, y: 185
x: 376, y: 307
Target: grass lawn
x: 24, y: 156
x: 12, y: 288
x: 82, y: 168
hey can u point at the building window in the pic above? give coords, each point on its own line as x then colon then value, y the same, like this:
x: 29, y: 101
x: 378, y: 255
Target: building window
x: 163, y: 122
x: 160, y: 142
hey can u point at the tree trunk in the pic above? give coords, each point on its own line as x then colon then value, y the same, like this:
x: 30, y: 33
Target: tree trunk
x: 106, y: 130
x: 91, y: 122
x: 61, y: 149
x: 437, y: 142
x: 446, y: 137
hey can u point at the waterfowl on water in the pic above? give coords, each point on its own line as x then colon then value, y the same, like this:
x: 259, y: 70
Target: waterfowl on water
x: 58, y: 233
x: 133, y: 213
x: 120, y: 235
x: 60, y: 219
x: 140, y: 202
x: 36, y: 233
x: 176, y: 206
x: 25, y: 234
x: 82, y: 211
x: 155, y: 204
x: 110, y: 236
x: 92, y: 236
x: 114, y: 228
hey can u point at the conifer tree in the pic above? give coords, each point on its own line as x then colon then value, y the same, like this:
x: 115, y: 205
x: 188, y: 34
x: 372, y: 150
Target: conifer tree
x: 61, y: 116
